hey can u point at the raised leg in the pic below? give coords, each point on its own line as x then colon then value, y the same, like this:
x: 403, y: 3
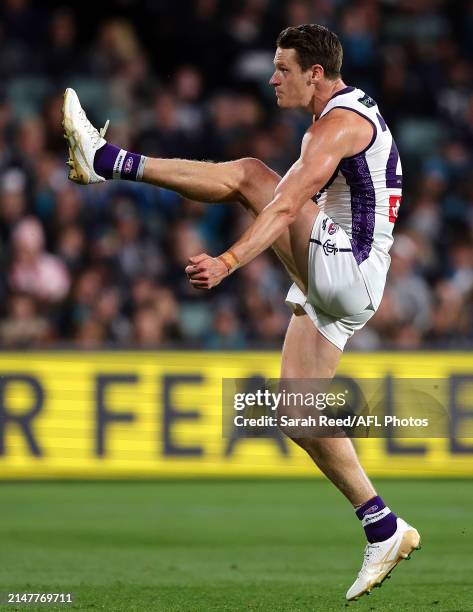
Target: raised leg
x: 248, y: 181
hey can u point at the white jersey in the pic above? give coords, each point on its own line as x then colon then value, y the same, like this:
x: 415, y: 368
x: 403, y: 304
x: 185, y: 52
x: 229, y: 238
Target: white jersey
x: 364, y: 193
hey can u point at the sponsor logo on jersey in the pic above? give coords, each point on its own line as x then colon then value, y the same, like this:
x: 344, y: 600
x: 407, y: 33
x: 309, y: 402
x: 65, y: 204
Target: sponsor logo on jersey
x: 394, y: 203
x: 324, y: 223
x: 367, y: 101
x: 333, y: 229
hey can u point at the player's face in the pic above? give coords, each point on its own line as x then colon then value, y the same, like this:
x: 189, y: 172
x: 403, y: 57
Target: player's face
x: 293, y: 86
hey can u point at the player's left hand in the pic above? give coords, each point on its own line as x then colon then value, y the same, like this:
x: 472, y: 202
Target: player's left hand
x: 205, y: 272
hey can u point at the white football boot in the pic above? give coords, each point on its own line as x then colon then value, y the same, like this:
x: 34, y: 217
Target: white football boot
x: 83, y: 139
x: 382, y: 557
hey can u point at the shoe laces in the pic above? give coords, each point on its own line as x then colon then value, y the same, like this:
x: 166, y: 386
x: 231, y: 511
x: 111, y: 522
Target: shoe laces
x: 91, y: 131
x: 369, y: 552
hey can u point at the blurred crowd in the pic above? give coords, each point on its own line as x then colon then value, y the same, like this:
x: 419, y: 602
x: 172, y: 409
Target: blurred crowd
x: 103, y: 265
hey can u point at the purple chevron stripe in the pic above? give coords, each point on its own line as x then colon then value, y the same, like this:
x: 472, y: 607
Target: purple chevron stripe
x: 363, y: 204
x: 393, y: 180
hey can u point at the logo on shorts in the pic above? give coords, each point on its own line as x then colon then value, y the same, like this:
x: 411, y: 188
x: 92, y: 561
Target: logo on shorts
x: 333, y: 229
x: 329, y: 247
x: 128, y: 165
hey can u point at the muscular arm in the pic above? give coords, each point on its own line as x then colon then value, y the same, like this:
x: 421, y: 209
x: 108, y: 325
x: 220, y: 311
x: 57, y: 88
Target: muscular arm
x: 323, y: 146
x: 325, y: 143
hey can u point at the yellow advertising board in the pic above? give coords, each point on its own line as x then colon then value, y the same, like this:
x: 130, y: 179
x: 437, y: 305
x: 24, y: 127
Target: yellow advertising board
x: 158, y: 414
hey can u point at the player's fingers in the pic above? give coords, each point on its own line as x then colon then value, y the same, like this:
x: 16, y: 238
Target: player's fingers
x: 198, y: 284
x: 195, y: 259
x: 195, y: 269
x: 202, y: 276
x: 192, y: 271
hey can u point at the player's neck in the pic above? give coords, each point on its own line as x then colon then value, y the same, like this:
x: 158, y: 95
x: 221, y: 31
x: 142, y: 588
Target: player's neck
x: 324, y: 92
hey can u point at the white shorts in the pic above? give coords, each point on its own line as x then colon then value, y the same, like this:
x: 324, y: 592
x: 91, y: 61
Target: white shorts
x: 338, y: 302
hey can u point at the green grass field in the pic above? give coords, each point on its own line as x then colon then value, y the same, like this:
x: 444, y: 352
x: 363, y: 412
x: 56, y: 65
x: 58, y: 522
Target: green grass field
x: 188, y: 546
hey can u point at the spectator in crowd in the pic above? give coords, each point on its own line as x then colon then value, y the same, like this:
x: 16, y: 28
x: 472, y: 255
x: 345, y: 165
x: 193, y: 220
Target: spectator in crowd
x: 22, y: 326
x: 33, y: 271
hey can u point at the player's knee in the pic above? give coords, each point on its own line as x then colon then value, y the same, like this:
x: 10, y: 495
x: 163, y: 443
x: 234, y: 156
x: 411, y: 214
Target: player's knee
x: 253, y: 173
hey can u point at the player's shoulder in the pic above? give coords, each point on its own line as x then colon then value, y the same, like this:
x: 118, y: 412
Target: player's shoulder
x: 337, y: 118
x: 351, y: 99
x: 347, y: 131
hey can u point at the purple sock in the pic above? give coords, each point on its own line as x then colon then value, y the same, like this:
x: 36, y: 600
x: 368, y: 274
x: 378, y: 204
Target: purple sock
x: 111, y: 162
x: 377, y: 519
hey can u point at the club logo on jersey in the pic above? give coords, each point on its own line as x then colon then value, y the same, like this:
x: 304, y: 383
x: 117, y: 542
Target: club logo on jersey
x: 332, y: 229
x: 394, y: 203
x: 329, y: 247
x: 367, y: 101
x: 128, y: 165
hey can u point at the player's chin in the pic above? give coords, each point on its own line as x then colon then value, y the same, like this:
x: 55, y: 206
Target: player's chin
x: 284, y: 103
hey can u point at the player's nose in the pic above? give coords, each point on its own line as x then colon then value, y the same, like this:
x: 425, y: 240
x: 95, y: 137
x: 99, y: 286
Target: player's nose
x: 274, y: 80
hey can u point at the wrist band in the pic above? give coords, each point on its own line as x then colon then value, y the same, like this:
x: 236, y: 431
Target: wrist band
x: 230, y: 260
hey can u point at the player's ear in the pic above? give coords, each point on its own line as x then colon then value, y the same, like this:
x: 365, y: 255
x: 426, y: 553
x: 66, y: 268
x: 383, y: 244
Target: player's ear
x: 316, y: 74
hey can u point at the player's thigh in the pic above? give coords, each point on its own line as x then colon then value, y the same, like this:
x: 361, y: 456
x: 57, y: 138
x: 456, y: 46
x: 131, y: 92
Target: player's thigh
x: 293, y: 246
x: 257, y: 186
x: 306, y: 353
x: 299, y: 237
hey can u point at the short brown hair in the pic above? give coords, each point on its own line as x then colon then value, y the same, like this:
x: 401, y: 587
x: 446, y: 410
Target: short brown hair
x: 314, y: 44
